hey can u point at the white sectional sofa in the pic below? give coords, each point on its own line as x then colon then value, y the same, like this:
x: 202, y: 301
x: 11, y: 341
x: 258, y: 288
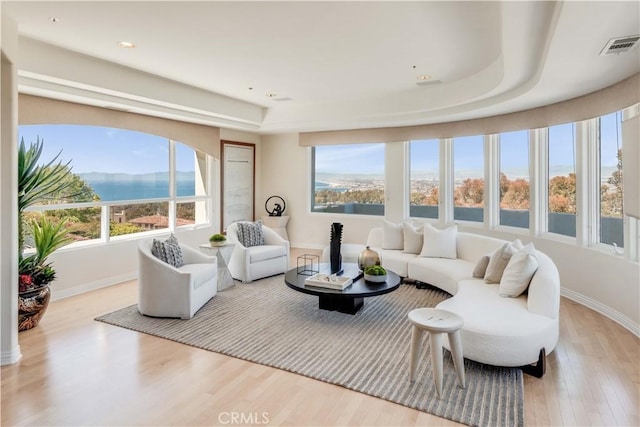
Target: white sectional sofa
x: 497, y: 330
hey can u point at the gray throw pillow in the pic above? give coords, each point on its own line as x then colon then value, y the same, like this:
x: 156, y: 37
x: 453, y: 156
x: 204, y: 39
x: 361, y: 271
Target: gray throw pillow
x: 250, y: 234
x: 168, y: 251
x: 481, y: 267
x: 499, y: 260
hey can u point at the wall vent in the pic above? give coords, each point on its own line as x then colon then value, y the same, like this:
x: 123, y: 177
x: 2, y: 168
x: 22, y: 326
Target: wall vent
x: 620, y: 45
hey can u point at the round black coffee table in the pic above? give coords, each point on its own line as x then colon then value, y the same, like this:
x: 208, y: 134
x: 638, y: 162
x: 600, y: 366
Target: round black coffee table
x: 351, y: 299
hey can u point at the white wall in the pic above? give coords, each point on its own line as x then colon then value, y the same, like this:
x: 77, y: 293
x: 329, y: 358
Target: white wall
x: 9, y: 347
x: 602, y: 281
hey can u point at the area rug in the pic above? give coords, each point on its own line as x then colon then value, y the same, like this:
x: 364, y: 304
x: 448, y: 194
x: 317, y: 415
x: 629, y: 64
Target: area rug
x: 266, y: 322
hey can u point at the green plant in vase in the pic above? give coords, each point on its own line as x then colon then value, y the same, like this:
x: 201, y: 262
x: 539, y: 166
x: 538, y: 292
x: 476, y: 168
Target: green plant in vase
x: 375, y: 273
x: 37, y: 184
x: 217, y: 239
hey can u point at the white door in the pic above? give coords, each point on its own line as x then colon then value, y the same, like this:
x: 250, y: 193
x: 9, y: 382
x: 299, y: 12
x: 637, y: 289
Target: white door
x: 237, y: 194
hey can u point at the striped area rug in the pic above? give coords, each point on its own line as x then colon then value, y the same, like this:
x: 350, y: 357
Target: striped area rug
x: 266, y: 322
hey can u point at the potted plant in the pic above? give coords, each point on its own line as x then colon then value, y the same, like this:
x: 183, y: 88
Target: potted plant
x: 37, y: 184
x: 375, y: 273
x: 217, y: 239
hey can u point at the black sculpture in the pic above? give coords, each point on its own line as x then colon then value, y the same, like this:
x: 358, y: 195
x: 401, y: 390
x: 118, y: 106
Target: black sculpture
x: 334, y: 248
x: 278, y: 208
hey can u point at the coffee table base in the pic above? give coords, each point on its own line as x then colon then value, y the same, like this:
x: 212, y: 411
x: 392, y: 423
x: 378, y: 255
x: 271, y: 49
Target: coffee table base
x: 339, y: 303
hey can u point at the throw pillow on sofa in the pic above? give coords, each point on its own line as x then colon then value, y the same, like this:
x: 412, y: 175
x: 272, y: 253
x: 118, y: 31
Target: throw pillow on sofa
x: 392, y: 237
x: 168, y: 251
x: 517, y: 276
x: 499, y: 260
x: 412, y: 239
x: 250, y: 233
x: 481, y: 267
x: 439, y: 243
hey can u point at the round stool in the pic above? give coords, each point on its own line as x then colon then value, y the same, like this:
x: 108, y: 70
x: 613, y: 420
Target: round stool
x: 437, y: 322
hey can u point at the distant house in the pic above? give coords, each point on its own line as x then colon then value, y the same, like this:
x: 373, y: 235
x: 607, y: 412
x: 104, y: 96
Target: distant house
x: 155, y: 222
x: 118, y: 217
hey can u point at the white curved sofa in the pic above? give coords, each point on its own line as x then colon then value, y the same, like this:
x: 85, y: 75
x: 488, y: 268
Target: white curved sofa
x: 497, y: 330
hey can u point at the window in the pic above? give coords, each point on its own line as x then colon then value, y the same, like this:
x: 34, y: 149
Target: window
x: 126, y: 172
x: 514, y: 179
x: 468, y: 172
x: 610, y: 166
x: 424, y: 176
x: 348, y: 179
x: 562, y: 180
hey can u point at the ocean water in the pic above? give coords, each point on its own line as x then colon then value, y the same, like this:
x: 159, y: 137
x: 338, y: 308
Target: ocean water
x: 116, y: 191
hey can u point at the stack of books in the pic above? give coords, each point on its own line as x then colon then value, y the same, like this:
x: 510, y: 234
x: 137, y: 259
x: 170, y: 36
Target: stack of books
x: 329, y: 281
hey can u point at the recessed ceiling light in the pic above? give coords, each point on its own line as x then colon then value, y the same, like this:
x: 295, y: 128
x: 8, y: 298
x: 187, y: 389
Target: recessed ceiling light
x: 423, y: 77
x: 126, y: 45
x: 271, y: 95
x: 54, y: 19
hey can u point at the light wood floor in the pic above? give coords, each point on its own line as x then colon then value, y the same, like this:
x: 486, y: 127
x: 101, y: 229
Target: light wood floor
x: 78, y: 372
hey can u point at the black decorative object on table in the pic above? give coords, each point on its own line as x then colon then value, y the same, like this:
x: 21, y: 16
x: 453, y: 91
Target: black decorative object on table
x: 334, y: 248
x: 275, y: 206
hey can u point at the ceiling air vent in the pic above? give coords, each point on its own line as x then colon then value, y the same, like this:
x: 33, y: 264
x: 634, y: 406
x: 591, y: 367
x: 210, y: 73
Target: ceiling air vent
x: 620, y: 45
x: 282, y: 99
x: 428, y: 82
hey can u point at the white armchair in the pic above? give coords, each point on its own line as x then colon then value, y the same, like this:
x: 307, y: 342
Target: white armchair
x: 167, y: 291
x: 251, y: 263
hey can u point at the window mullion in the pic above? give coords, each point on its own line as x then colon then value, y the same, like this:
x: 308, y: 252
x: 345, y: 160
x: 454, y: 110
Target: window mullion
x: 445, y: 192
x: 172, y: 185
x: 538, y: 181
x: 491, y: 181
x: 587, y: 183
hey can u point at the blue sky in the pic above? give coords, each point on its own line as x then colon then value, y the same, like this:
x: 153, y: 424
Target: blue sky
x: 101, y: 149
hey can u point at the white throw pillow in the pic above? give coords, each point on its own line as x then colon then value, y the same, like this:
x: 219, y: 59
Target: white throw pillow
x: 499, y: 260
x: 439, y: 243
x: 517, y: 276
x: 412, y: 238
x: 392, y: 237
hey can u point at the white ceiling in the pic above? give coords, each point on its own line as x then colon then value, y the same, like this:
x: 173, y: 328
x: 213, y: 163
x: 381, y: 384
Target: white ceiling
x: 342, y: 64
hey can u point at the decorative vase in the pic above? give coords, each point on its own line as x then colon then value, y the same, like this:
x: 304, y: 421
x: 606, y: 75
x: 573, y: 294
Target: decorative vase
x: 334, y: 248
x: 217, y: 244
x: 367, y: 258
x: 375, y: 279
x: 31, y: 307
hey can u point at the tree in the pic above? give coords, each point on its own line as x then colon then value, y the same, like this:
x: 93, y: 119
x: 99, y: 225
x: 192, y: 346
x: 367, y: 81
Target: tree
x: 562, y: 194
x: 470, y: 193
x: 611, y: 193
x: 517, y: 194
x: 119, y: 229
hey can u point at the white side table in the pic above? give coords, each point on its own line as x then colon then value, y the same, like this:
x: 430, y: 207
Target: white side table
x: 277, y: 224
x: 223, y: 253
x: 437, y: 322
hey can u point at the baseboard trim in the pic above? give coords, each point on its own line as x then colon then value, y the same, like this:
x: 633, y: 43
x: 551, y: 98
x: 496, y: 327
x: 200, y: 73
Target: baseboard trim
x: 308, y: 245
x: 10, y: 357
x: 86, y: 287
x: 614, y: 315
